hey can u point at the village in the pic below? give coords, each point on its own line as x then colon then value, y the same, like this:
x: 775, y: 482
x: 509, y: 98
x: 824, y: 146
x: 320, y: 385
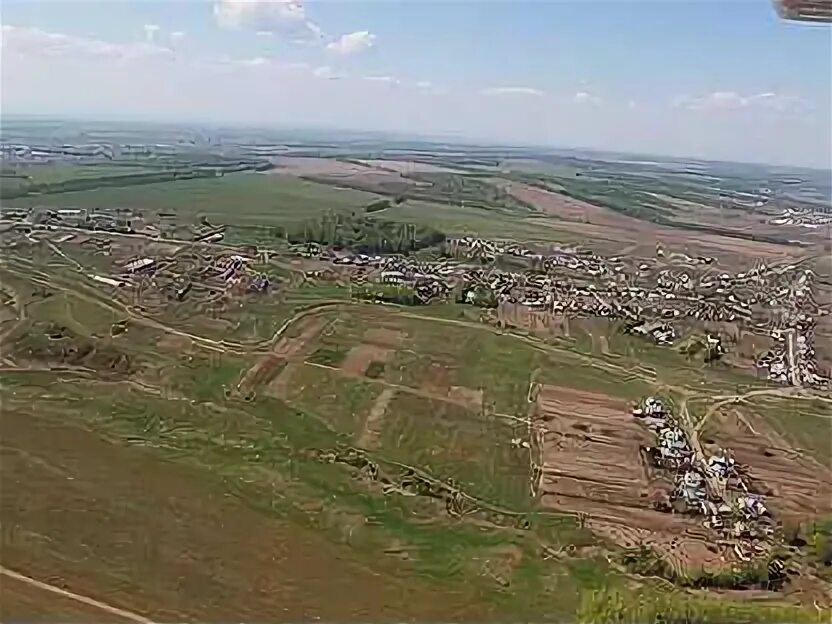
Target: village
x: 658, y: 299
x: 664, y: 299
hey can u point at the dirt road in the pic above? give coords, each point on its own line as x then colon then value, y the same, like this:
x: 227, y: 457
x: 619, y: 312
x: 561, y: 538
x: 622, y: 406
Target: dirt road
x: 102, y: 606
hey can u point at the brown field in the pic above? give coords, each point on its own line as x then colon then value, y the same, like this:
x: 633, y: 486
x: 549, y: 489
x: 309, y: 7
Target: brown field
x: 595, y: 222
x: 366, y: 175
x: 409, y: 166
x: 384, y: 336
x: 361, y: 356
x: 303, y: 165
x: 592, y: 464
x: 279, y: 386
x: 467, y: 397
x: 284, y: 349
x: 123, y: 526
x: 794, y: 483
x: 174, y: 343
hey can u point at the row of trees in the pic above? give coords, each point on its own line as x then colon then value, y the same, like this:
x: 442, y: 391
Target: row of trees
x: 21, y: 188
x: 387, y: 293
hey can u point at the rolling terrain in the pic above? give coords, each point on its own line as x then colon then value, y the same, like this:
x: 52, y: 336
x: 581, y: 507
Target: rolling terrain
x: 249, y: 427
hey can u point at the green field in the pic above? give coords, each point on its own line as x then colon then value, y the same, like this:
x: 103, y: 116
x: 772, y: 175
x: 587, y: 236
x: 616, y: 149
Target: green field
x: 255, y: 202
x: 243, y: 198
x: 61, y: 172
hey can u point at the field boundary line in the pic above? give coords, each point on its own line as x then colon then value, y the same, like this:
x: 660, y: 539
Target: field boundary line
x: 135, y: 617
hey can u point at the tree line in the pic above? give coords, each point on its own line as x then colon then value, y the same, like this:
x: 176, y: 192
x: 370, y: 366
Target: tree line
x: 361, y: 234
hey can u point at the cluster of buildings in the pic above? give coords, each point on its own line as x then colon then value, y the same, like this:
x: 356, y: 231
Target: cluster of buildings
x: 176, y: 278
x: 713, y: 487
x: 81, y: 218
x: 116, y: 221
x: 802, y: 218
x: 199, y: 276
x: 792, y: 360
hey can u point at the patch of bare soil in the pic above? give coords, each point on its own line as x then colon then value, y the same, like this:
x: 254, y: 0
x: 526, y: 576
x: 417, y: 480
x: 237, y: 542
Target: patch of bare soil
x: 285, y: 348
x: 467, y: 397
x: 384, y: 336
x: 592, y: 465
x: 685, y: 552
x: 279, y: 386
x: 174, y: 343
x: 499, y: 563
x: 375, y: 419
x: 436, y: 379
x: 360, y: 357
x: 794, y: 483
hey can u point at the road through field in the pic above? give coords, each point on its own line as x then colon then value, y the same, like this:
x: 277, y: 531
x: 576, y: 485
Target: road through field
x: 121, y: 613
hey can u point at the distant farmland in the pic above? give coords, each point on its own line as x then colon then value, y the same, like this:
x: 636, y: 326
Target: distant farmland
x: 245, y: 198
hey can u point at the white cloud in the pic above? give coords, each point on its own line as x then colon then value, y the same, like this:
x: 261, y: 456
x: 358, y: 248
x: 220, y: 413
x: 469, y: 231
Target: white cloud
x: 632, y: 104
x: 513, y: 91
x: 150, y: 31
x: 36, y: 43
x: 176, y: 36
x: 582, y: 97
x: 720, y: 101
x: 424, y: 84
x: 266, y: 16
x: 352, y: 43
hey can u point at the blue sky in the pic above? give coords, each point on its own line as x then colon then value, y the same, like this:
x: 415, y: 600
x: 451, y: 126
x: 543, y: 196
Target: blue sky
x: 710, y: 79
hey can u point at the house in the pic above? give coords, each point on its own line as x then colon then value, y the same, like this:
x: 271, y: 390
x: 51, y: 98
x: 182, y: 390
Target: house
x: 139, y: 264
